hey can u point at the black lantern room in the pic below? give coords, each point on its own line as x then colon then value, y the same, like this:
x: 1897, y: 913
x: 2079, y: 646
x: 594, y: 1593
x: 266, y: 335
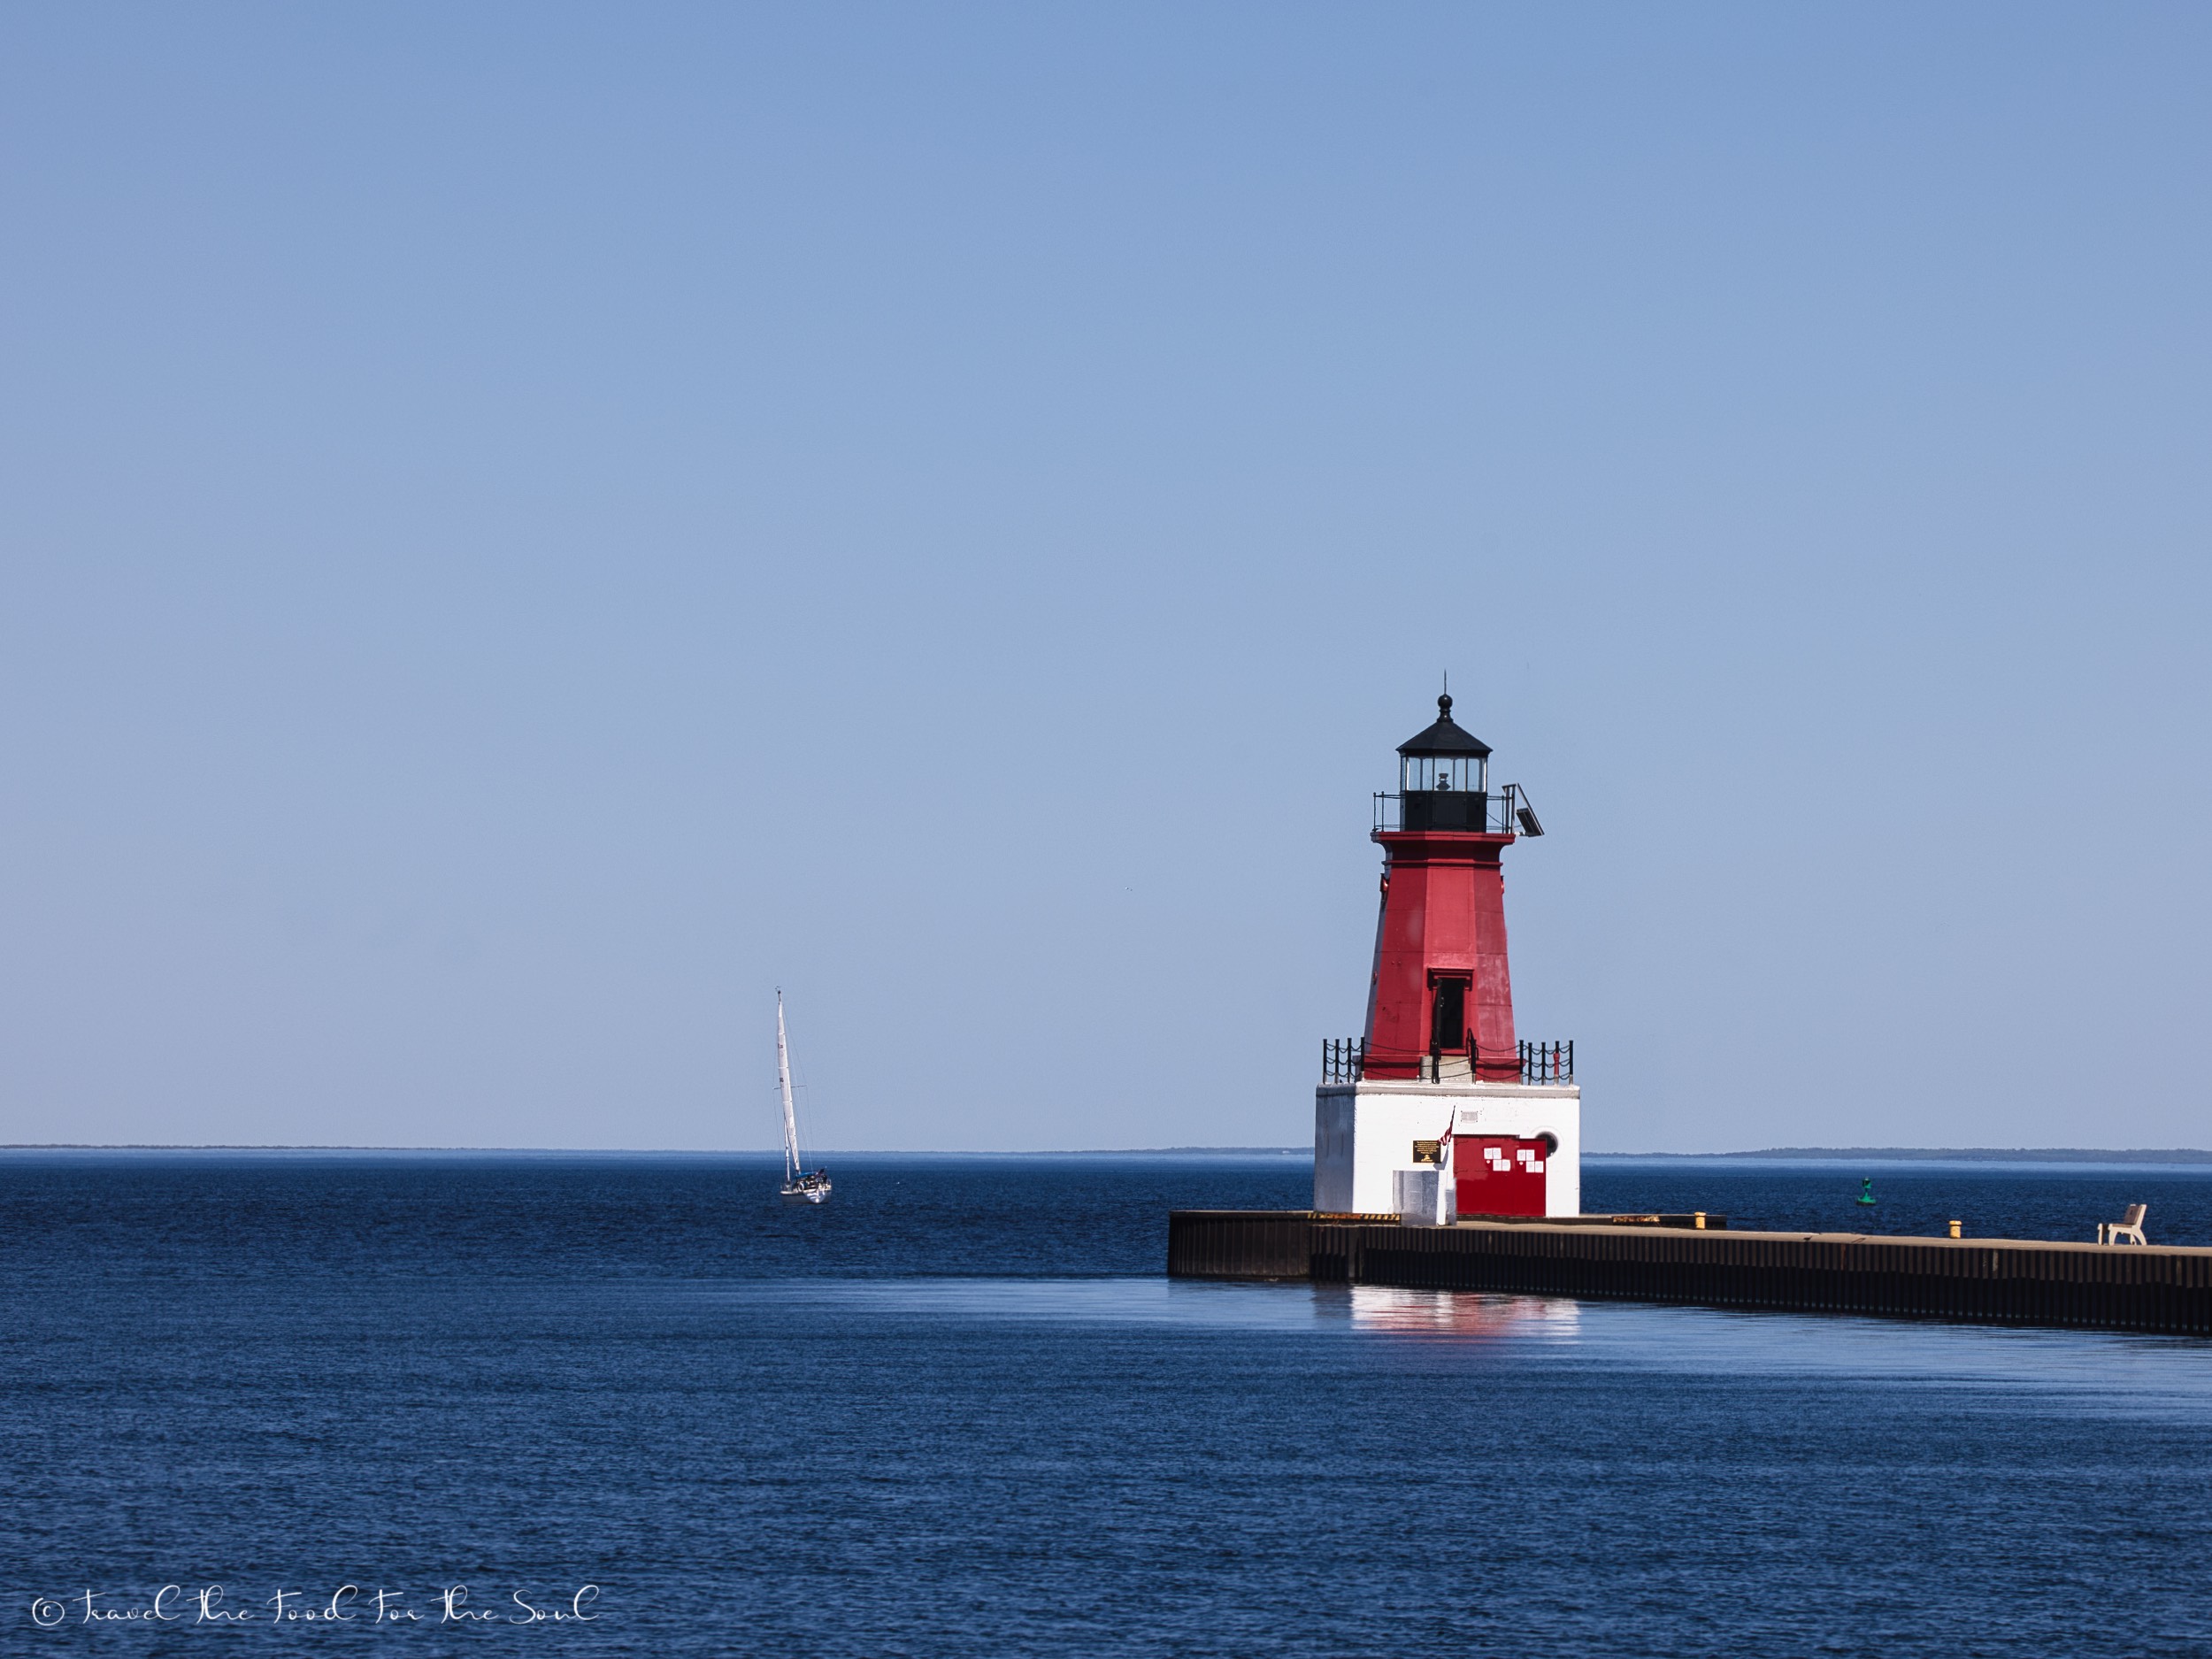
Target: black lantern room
x: 1444, y: 776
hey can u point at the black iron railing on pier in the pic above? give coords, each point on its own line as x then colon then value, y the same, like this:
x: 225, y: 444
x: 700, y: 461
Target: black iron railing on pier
x: 1344, y: 1060
x: 1547, y: 1063
x: 1472, y: 811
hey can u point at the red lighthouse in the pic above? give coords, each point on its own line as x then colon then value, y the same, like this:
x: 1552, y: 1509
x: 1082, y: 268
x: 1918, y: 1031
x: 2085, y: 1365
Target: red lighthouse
x: 1440, y: 1004
x: 1440, y: 1107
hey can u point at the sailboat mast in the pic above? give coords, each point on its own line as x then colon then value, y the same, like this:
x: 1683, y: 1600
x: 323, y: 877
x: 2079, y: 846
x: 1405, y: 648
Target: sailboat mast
x: 783, y: 1082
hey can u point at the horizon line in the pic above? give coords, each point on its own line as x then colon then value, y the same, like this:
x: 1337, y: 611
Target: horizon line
x: 1822, y: 1154
x: 766, y: 1152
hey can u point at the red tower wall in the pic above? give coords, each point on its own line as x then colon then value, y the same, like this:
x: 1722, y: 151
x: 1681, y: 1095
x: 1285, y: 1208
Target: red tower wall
x: 1443, y: 915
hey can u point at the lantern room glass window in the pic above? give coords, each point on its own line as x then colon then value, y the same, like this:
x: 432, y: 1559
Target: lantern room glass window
x: 1424, y: 775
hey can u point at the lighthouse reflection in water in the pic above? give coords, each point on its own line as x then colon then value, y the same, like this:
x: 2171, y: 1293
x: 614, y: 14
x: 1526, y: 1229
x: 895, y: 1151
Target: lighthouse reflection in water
x: 1385, y: 1308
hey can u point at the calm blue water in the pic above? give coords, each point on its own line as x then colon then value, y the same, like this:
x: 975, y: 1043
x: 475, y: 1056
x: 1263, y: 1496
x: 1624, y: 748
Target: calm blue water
x: 960, y: 1413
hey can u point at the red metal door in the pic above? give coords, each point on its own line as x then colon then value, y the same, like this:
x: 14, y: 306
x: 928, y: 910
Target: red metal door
x: 1498, y: 1175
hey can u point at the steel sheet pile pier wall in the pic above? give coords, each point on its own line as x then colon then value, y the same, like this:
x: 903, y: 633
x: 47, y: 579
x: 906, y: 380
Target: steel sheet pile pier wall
x: 2012, y: 1281
x: 1240, y: 1244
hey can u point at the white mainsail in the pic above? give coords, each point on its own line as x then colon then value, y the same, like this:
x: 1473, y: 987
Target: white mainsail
x: 801, y: 1185
x: 791, y: 1164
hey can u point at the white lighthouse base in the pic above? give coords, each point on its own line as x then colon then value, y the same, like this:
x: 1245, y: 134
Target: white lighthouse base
x: 1364, y: 1135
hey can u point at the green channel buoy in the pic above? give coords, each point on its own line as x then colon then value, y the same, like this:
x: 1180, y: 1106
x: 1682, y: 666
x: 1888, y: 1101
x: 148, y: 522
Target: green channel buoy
x: 1866, y: 1191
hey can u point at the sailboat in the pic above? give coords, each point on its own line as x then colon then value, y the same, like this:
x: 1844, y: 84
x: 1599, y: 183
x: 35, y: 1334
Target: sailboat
x: 801, y: 1185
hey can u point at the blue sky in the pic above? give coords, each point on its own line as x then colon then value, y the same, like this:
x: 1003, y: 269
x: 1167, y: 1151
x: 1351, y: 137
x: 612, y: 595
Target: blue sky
x: 524, y: 527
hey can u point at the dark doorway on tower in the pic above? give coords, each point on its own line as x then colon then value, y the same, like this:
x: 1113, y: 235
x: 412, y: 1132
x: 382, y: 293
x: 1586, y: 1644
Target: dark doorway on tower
x: 1448, y: 1015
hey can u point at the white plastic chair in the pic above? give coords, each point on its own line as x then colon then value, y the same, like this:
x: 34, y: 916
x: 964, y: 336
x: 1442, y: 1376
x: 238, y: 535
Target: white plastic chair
x: 2128, y: 1230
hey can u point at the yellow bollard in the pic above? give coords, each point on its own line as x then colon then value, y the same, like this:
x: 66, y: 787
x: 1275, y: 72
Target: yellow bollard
x: 1699, y: 1221
x: 1954, y: 1230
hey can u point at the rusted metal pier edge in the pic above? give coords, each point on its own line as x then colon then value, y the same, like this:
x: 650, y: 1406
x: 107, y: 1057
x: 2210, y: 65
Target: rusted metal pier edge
x: 2010, y: 1281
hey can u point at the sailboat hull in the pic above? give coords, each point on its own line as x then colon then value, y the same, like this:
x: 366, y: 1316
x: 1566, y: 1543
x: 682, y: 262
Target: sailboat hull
x: 808, y: 1189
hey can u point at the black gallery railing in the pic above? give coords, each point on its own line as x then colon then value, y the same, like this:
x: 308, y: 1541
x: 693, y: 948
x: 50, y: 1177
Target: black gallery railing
x: 1470, y: 811
x: 1344, y: 1060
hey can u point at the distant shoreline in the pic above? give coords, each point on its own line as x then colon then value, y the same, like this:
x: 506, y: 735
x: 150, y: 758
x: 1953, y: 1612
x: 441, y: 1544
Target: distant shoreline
x: 1944, y: 1154
x: 1796, y: 1155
